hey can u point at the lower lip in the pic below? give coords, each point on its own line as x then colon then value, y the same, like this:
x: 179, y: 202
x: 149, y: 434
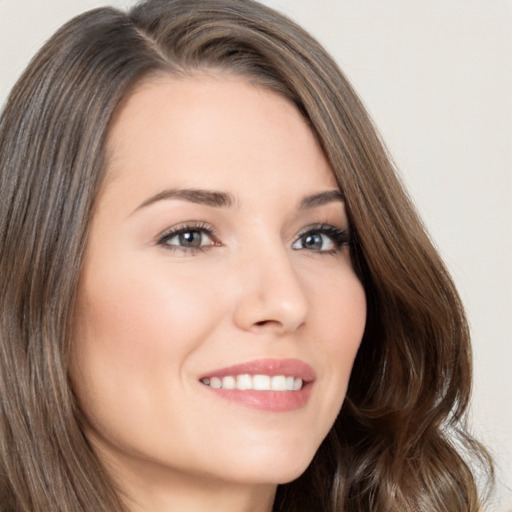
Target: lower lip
x: 271, y: 401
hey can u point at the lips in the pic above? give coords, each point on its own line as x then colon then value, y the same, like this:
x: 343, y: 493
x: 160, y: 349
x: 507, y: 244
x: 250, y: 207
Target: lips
x: 276, y: 385
x: 270, y: 367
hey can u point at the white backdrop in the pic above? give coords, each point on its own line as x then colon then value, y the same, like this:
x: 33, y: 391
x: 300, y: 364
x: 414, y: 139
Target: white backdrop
x: 437, y: 77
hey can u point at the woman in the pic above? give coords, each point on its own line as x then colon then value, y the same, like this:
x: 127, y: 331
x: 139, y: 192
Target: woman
x: 202, y: 239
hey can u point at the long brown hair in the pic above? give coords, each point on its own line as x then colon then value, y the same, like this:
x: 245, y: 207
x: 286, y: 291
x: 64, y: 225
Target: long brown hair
x: 399, y: 443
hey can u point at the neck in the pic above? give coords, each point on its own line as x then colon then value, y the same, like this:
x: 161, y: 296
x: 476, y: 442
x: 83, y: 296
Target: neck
x: 200, y: 498
x: 181, y: 494
x: 148, y: 488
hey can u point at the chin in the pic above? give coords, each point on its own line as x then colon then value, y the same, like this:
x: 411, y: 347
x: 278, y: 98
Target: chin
x: 280, y: 468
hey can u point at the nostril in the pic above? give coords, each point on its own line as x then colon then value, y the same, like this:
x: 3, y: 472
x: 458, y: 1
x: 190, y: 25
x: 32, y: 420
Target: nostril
x: 264, y: 323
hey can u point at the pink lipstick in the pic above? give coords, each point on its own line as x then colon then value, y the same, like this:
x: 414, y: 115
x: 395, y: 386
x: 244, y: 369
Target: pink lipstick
x: 276, y: 385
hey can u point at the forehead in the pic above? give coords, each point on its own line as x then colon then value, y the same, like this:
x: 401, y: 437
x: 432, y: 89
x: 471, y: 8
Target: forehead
x: 212, y: 130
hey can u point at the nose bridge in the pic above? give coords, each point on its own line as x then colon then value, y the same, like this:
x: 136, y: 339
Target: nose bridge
x: 271, y: 293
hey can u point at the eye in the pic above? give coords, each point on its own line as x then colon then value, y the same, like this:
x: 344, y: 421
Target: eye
x: 188, y: 238
x: 323, y: 238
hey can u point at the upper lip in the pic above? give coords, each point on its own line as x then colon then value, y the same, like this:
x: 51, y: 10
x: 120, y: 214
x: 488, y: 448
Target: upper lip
x: 272, y: 367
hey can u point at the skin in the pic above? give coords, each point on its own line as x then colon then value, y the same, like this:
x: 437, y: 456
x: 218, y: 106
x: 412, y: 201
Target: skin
x: 153, y: 316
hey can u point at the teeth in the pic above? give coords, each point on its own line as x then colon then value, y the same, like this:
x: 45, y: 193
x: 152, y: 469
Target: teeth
x: 244, y: 382
x: 278, y: 383
x: 261, y: 382
x: 215, y: 382
x: 255, y: 382
x: 228, y: 383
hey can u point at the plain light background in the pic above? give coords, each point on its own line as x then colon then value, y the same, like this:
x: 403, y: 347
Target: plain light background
x: 436, y: 75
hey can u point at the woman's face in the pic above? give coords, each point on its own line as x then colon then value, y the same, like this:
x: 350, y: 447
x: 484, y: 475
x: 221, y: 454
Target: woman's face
x: 218, y: 251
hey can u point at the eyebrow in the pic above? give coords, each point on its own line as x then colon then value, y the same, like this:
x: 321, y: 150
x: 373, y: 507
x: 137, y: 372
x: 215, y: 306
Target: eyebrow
x: 219, y: 199
x: 316, y: 200
x: 193, y: 195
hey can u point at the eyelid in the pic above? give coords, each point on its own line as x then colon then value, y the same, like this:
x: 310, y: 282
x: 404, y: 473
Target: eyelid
x: 184, y: 227
x: 340, y: 237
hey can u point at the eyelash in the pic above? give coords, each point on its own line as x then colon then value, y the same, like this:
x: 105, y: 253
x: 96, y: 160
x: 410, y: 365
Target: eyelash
x: 340, y: 238
x: 199, y: 227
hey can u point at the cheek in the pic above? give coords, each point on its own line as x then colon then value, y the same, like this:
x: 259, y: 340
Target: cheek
x: 340, y: 308
x: 351, y: 323
x: 135, y: 331
x: 142, y: 312
x: 342, y: 320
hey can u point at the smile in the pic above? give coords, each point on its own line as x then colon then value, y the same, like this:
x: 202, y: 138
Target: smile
x: 272, y: 385
x: 245, y: 382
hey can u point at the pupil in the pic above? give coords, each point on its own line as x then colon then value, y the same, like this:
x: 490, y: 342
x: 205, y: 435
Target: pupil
x: 191, y: 239
x: 313, y: 241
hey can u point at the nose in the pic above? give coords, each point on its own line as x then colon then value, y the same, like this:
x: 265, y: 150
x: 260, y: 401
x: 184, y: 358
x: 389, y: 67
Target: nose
x: 271, y: 295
